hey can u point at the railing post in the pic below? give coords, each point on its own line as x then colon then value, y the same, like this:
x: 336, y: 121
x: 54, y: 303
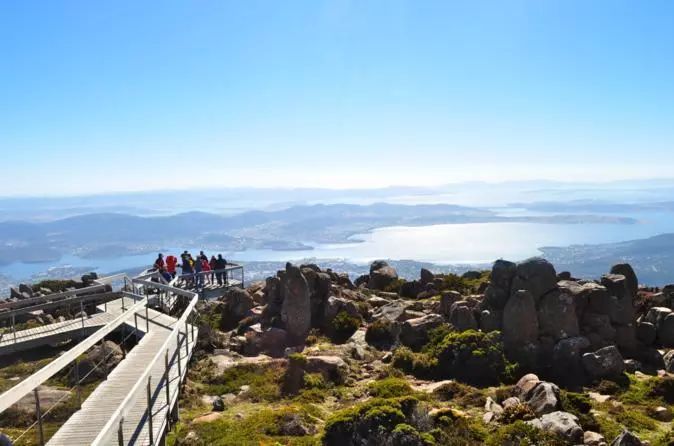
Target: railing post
x: 187, y: 351
x: 180, y: 373
x: 14, y: 327
x: 187, y: 330
x: 147, y: 316
x: 121, y: 344
x: 135, y: 323
x: 168, y: 391
x: 77, y: 383
x: 123, y: 309
x: 149, y: 409
x: 120, y: 430
x: 38, y: 412
x: 105, y: 358
x: 82, y: 316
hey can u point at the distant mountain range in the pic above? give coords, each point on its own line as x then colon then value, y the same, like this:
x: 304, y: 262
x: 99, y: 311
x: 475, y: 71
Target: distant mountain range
x: 114, y: 234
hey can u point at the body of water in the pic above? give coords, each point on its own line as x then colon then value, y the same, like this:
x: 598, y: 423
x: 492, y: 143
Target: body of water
x: 442, y: 244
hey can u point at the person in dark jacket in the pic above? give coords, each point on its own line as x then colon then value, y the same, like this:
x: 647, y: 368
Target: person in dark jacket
x: 220, y: 265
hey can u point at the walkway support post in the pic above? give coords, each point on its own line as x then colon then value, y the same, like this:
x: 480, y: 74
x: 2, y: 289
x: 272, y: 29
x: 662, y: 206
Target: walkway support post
x: 77, y: 383
x: 14, y: 327
x: 120, y: 432
x: 168, y: 392
x: 149, y: 409
x: 38, y: 412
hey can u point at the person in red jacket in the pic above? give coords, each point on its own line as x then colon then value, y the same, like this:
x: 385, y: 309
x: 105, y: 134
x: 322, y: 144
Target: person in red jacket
x: 171, y: 264
x: 206, y: 268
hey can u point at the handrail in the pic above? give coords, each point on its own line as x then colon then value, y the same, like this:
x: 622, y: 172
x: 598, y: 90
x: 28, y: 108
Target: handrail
x: 13, y: 395
x: 142, y: 380
x: 51, y: 297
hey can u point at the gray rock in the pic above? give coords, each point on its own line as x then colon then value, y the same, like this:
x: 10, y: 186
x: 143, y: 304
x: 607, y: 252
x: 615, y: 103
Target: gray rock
x: 646, y: 332
x: 333, y: 368
x: 567, y: 366
x: 381, y: 276
x: 669, y: 361
x: 218, y: 404
x: 490, y: 320
x: 414, y: 332
x: 631, y: 281
x: 656, y: 315
x: 500, y: 283
x: 535, y: 275
x: 520, y: 321
x: 593, y: 439
x: 237, y: 305
x: 544, y: 398
x: 622, y: 309
x: 557, y: 316
x: 447, y: 299
x: 461, y: 316
x: 525, y: 385
x: 627, y: 438
x: 563, y: 424
x: 605, y: 362
x: 296, y: 309
x: 666, y: 331
x: 426, y: 276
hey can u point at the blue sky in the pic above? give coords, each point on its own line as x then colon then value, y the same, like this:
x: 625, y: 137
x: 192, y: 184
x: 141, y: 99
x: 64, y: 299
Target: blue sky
x: 127, y: 95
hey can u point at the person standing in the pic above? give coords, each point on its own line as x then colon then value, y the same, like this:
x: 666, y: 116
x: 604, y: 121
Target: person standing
x: 220, y: 265
x: 159, y: 263
x: 171, y: 263
x: 198, y: 277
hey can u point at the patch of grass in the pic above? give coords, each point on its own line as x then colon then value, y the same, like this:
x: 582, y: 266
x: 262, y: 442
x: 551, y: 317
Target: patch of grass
x: 522, y: 434
x: 264, y: 381
x: 261, y: 427
x: 460, y: 394
x: 580, y: 405
x: 390, y: 388
x: 380, y: 334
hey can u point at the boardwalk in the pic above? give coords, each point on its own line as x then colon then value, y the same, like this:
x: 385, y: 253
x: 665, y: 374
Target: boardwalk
x: 86, y: 424
x: 133, y: 405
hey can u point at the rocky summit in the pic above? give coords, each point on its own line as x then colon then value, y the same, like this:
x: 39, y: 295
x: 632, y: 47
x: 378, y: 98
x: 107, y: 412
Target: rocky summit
x: 517, y: 355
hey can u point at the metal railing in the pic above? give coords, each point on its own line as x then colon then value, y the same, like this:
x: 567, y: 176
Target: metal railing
x: 231, y: 275
x: 173, y: 370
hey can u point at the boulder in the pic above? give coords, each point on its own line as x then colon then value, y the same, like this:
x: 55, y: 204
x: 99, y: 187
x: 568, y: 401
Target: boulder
x: 626, y: 338
x: 447, y: 299
x: 593, y: 439
x: 666, y: 331
x: 271, y: 341
x: 627, y: 438
x: 26, y: 290
x: 567, y: 365
x: 525, y: 385
x: 557, y: 315
x: 461, y: 316
x: 392, y: 312
x: 381, y: 276
x: 425, y: 276
x: 535, y: 275
x: 414, y: 332
x: 606, y: 362
x: 598, y: 299
x: 631, y: 281
x: 543, y: 398
x: 646, y: 333
x: 237, y: 305
x: 622, y: 309
x: 500, y: 283
x: 520, y: 321
x: 669, y: 361
x: 563, y: 424
x: 333, y: 368
x: 296, y: 308
x: 490, y: 320
x: 656, y: 315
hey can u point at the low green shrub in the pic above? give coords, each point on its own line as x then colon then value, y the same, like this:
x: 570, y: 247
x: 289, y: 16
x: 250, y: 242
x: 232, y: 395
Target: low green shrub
x: 344, y: 326
x: 380, y: 334
x: 522, y: 434
x: 390, y: 388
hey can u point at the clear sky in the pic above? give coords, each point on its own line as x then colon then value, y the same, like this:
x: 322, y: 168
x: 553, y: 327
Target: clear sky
x: 129, y: 95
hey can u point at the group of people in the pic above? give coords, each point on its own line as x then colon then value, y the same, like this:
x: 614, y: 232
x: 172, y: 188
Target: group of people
x: 195, y: 271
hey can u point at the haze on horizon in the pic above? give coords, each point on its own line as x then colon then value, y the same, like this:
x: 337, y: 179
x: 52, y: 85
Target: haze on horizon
x: 102, y: 97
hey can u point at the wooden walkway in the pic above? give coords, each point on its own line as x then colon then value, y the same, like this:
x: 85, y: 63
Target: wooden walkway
x: 132, y: 406
x: 86, y: 424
